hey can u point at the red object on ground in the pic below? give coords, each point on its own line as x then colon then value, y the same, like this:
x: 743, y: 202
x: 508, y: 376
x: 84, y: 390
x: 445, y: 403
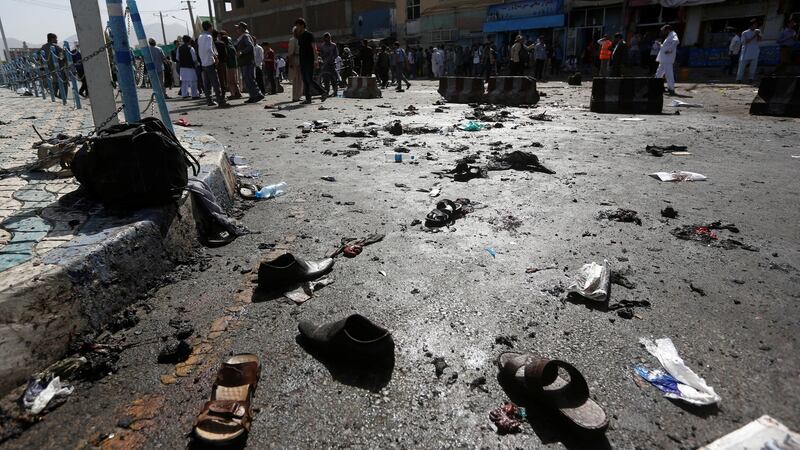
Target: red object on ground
x: 182, y: 122
x: 351, y: 251
x: 705, y: 231
x: 506, y: 418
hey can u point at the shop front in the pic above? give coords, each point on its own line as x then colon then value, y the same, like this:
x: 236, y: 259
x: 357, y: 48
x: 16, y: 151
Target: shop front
x: 588, y: 21
x: 531, y: 19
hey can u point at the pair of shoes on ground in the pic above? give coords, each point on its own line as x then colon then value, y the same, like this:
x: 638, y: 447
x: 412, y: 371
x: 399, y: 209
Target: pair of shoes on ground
x: 446, y: 212
x: 226, y: 418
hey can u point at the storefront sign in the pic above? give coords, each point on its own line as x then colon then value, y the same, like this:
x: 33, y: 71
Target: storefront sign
x: 530, y: 8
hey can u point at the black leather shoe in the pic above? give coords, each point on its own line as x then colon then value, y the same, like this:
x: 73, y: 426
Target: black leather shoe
x: 287, y: 269
x: 354, y: 336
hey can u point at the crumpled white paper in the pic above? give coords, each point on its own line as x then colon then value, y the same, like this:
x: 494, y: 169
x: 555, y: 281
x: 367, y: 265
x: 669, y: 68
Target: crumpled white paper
x: 54, y: 389
x: 592, y: 281
x: 305, y: 291
x: 679, y: 176
x: 692, y: 387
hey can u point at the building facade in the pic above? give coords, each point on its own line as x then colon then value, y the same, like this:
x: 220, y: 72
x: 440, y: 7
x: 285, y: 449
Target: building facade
x: 345, y: 20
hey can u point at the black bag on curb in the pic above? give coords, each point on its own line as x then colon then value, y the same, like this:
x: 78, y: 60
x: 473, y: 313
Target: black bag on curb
x: 134, y: 165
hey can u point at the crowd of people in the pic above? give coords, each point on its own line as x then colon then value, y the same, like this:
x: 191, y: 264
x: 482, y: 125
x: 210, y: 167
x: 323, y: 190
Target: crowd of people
x: 225, y: 66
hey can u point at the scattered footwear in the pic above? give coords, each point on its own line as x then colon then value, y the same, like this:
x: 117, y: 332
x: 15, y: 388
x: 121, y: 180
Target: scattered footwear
x: 229, y: 413
x: 447, y: 211
x: 539, y: 377
x: 287, y: 269
x: 353, y: 337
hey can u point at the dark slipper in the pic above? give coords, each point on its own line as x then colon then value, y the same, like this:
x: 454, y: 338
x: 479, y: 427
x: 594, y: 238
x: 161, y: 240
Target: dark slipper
x: 354, y: 337
x: 437, y: 218
x: 540, y: 378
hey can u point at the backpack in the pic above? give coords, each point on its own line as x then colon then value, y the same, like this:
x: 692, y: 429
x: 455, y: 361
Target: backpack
x: 134, y: 165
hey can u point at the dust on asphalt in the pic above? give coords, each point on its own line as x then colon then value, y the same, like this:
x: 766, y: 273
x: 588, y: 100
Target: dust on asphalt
x: 451, y: 305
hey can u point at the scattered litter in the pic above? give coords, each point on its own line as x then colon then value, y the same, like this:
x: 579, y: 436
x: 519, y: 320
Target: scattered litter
x: 678, y: 176
x: 464, y: 172
x: 630, y: 119
x: 447, y: 212
x: 682, y: 104
x: 762, y: 433
x: 315, y: 125
x: 305, y: 291
x: 278, y: 115
x: 507, y: 418
x: 518, y: 160
x: 542, y: 117
x: 491, y: 251
x: 356, y: 134
x: 669, y: 212
x: 332, y: 179
x: 679, y: 381
x: 705, y: 234
x: 382, y: 272
x: 361, y: 242
x: 266, y: 192
x: 656, y: 150
x: 621, y: 279
x: 174, y: 351
x: 185, y: 123
x: 469, y: 125
x: 795, y: 156
x: 39, y: 394
x: 351, y: 251
x: 400, y: 157
x: 620, y: 215
x: 592, y: 281
x: 681, y: 153
x: 435, y: 192
x: 439, y: 364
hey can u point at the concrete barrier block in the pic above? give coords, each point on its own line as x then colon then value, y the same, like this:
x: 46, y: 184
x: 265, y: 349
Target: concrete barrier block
x: 634, y: 95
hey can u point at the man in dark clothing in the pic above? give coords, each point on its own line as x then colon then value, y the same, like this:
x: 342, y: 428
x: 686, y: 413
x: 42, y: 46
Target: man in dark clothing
x: 328, y: 53
x: 77, y: 57
x: 382, y: 66
x: 307, y: 56
x: 618, y: 54
x: 55, y: 55
x: 367, y: 59
x: 222, y: 58
x: 245, y: 45
x: 269, y: 68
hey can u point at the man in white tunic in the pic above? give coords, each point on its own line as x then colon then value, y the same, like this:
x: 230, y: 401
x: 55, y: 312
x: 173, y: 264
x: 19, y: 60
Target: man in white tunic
x: 666, y: 58
x: 751, y: 40
x: 187, y: 61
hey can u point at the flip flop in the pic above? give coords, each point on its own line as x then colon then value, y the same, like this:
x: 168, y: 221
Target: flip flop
x: 437, y: 218
x: 229, y: 413
x: 540, y: 378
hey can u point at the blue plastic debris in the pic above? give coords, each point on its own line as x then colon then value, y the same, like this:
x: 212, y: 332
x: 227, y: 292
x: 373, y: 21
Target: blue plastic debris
x: 491, y: 251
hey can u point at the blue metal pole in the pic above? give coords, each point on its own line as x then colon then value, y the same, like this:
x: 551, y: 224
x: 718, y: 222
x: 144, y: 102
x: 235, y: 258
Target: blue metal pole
x: 61, y: 88
x: 124, y: 60
x: 48, y: 77
x: 72, y: 76
x: 155, y: 82
x: 31, y: 76
x: 14, y: 75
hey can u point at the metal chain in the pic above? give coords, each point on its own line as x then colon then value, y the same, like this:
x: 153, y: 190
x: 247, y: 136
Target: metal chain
x: 105, y: 122
x: 152, y: 97
x: 70, y: 67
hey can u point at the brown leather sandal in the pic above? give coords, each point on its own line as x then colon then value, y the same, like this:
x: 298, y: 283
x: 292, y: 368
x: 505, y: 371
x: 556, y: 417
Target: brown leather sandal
x: 228, y: 415
x: 540, y: 378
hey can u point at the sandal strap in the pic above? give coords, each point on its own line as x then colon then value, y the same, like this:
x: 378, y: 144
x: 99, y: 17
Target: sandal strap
x: 226, y: 412
x: 230, y: 375
x: 541, y: 372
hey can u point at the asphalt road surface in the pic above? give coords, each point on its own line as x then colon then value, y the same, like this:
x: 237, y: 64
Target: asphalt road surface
x: 732, y: 313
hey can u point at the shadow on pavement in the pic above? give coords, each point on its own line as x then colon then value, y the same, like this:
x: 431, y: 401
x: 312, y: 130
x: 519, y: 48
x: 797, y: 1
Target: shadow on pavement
x: 549, y: 426
x: 370, y: 375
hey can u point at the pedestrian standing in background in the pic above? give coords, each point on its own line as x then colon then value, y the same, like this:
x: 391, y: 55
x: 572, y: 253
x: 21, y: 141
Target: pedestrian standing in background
x: 348, y: 63
x: 476, y: 60
x: 367, y: 58
x: 400, y: 67
x: 382, y: 65
x: 293, y: 63
x: 734, y: 47
x: 438, y: 63
x: 539, y: 56
x: 751, y: 47
x: 618, y: 54
x: 209, y: 61
x: 280, y: 63
x: 308, y: 57
x: 222, y: 60
x: 52, y: 51
x: 605, y: 45
x: 786, y: 41
x: 489, y: 61
x: 329, y: 51
x: 270, y: 68
x: 187, y: 61
x: 157, y: 57
x: 245, y: 46
x: 666, y: 58
x: 518, y: 56
x: 232, y: 65
x: 258, y: 62
x: 412, y: 63
x: 77, y: 58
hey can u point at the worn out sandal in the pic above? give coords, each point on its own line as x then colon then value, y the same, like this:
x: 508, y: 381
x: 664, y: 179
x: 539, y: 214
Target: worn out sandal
x: 228, y: 415
x: 568, y: 396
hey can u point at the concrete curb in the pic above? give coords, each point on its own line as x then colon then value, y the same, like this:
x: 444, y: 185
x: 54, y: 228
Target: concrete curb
x: 79, y: 285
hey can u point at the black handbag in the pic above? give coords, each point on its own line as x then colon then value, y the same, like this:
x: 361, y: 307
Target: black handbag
x: 134, y: 165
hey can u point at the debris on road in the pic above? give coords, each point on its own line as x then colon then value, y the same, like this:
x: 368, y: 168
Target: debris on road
x: 762, y: 433
x: 464, y: 172
x: 491, y: 251
x: 447, y: 212
x: 354, y: 338
x: 705, y: 235
x: 174, y: 351
x: 659, y: 151
x: 682, y: 104
x: 620, y: 215
x: 679, y: 381
x: 470, y: 125
x: 439, y: 364
x: 592, y: 281
x: 352, y: 243
x: 356, y: 133
x: 679, y: 176
x: 331, y: 179
x: 40, y: 393
x: 518, y: 160
x: 669, y: 212
x: 305, y: 291
x: 507, y: 419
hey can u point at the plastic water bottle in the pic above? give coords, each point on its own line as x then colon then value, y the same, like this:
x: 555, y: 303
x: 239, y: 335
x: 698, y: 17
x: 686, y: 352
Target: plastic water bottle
x: 273, y: 190
x: 399, y: 157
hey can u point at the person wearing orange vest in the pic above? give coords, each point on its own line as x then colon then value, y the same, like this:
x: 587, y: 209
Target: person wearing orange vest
x: 605, y: 54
